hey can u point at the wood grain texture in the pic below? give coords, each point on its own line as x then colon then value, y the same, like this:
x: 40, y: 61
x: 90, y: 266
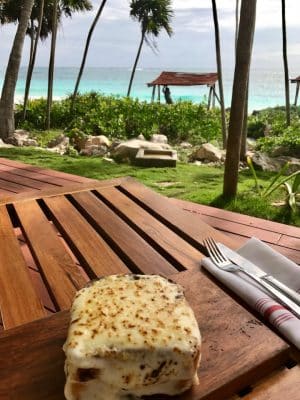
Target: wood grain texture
x: 92, y: 251
x: 57, y: 267
x: 19, y: 302
x: 70, y: 188
x: 17, y: 165
x: 284, y: 384
x: 184, y: 224
x: 154, y: 231
x: 124, y: 239
x: 237, y: 348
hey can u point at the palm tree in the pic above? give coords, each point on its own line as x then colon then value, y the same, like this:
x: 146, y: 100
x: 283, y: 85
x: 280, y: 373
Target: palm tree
x: 154, y: 16
x: 220, y: 77
x: 7, y: 122
x: 285, y: 63
x: 239, y: 96
x: 33, y: 55
x: 60, y: 7
x: 87, y: 45
x: 51, y: 62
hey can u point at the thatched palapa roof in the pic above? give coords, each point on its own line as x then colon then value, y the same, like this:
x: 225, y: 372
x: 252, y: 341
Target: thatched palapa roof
x: 185, y: 79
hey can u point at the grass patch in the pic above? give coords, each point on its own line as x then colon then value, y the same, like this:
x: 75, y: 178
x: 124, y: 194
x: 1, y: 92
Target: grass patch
x: 199, y: 184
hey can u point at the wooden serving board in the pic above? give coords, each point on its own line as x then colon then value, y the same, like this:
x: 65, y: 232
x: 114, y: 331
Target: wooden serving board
x: 237, y: 348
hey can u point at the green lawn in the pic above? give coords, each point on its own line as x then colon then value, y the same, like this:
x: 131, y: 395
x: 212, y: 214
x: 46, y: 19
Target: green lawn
x: 200, y: 184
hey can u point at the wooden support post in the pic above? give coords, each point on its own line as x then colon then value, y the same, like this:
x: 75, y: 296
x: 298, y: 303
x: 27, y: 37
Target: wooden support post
x: 153, y: 93
x: 215, y: 95
x: 297, y: 93
x: 158, y: 94
x: 209, y: 97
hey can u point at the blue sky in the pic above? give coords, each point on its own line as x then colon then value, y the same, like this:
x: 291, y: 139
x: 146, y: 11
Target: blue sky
x: 116, y: 37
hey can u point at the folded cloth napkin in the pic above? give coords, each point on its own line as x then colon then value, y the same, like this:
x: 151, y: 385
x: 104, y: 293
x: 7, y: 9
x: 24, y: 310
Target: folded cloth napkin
x: 252, y: 293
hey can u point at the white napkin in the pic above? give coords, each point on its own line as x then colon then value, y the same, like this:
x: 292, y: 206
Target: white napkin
x: 275, y: 264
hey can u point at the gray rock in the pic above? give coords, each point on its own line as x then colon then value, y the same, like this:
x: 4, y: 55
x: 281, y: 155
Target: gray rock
x: 126, y: 151
x: 141, y: 137
x: 207, y: 153
x: 156, y: 138
x: 185, y: 145
x: 21, y: 138
x: 100, y: 140
x: 5, y: 145
x: 59, y: 145
x: 274, y: 164
x: 94, y: 150
x: 57, y: 141
x: 251, y: 143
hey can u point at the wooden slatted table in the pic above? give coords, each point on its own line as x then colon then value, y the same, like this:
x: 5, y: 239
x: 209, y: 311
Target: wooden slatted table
x: 54, y: 241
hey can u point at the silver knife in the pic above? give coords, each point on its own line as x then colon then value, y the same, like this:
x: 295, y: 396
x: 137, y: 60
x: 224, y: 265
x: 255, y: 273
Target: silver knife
x: 254, y: 269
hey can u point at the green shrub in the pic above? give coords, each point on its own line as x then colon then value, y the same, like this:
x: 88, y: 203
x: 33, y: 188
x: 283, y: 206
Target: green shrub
x: 289, y: 142
x: 118, y: 117
x: 256, y: 128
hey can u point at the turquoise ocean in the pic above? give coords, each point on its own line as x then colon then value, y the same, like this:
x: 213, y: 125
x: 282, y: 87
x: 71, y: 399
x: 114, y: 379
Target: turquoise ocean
x: 266, y: 85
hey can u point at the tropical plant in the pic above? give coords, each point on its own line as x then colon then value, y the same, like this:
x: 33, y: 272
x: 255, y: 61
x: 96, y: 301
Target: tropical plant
x: 7, y: 124
x: 87, y: 45
x: 153, y: 16
x: 220, y: 75
x: 239, y: 96
x: 285, y: 63
x: 292, y: 189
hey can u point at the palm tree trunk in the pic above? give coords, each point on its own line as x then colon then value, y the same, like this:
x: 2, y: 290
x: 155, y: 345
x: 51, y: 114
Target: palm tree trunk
x: 239, y: 96
x: 89, y: 37
x: 32, y: 61
x: 243, y: 154
x: 237, y: 14
x: 220, y: 77
x: 51, y: 64
x: 286, y: 68
x: 135, y: 63
x: 7, y: 122
x: 31, y: 39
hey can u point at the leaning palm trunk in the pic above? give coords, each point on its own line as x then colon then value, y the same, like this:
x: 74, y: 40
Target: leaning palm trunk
x: 7, y: 122
x: 51, y: 65
x: 239, y: 96
x: 135, y: 63
x: 86, y: 51
x: 286, y: 68
x: 32, y: 61
x: 220, y: 76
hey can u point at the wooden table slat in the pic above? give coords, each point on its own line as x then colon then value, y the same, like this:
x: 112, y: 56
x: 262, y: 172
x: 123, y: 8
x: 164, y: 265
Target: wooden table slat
x: 133, y: 247
x: 7, y: 174
x: 182, y: 252
x: 13, y: 187
x: 284, y: 384
x: 19, y: 302
x: 61, y: 274
x: 241, y: 219
x: 179, y: 220
x: 20, y: 166
x: 88, y: 246
x: 247, y: 231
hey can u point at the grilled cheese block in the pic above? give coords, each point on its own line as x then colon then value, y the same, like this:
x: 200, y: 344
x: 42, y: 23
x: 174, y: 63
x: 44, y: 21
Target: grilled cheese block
x: 131, y: 335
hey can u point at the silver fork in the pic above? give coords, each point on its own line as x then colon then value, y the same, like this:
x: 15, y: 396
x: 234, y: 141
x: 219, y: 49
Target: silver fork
x: 222, y: 262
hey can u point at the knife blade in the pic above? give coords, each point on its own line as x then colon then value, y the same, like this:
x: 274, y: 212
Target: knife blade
x: 242, y: 262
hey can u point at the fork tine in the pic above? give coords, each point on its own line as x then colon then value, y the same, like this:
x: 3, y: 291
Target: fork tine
x: 220, y: 254
x: 211, y: 251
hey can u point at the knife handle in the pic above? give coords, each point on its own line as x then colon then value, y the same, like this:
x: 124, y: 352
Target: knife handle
x: 283, y: 288
x: 277, y: 294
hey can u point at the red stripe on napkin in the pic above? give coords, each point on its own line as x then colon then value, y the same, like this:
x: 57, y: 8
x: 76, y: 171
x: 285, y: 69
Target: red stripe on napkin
x: 269, y: 311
